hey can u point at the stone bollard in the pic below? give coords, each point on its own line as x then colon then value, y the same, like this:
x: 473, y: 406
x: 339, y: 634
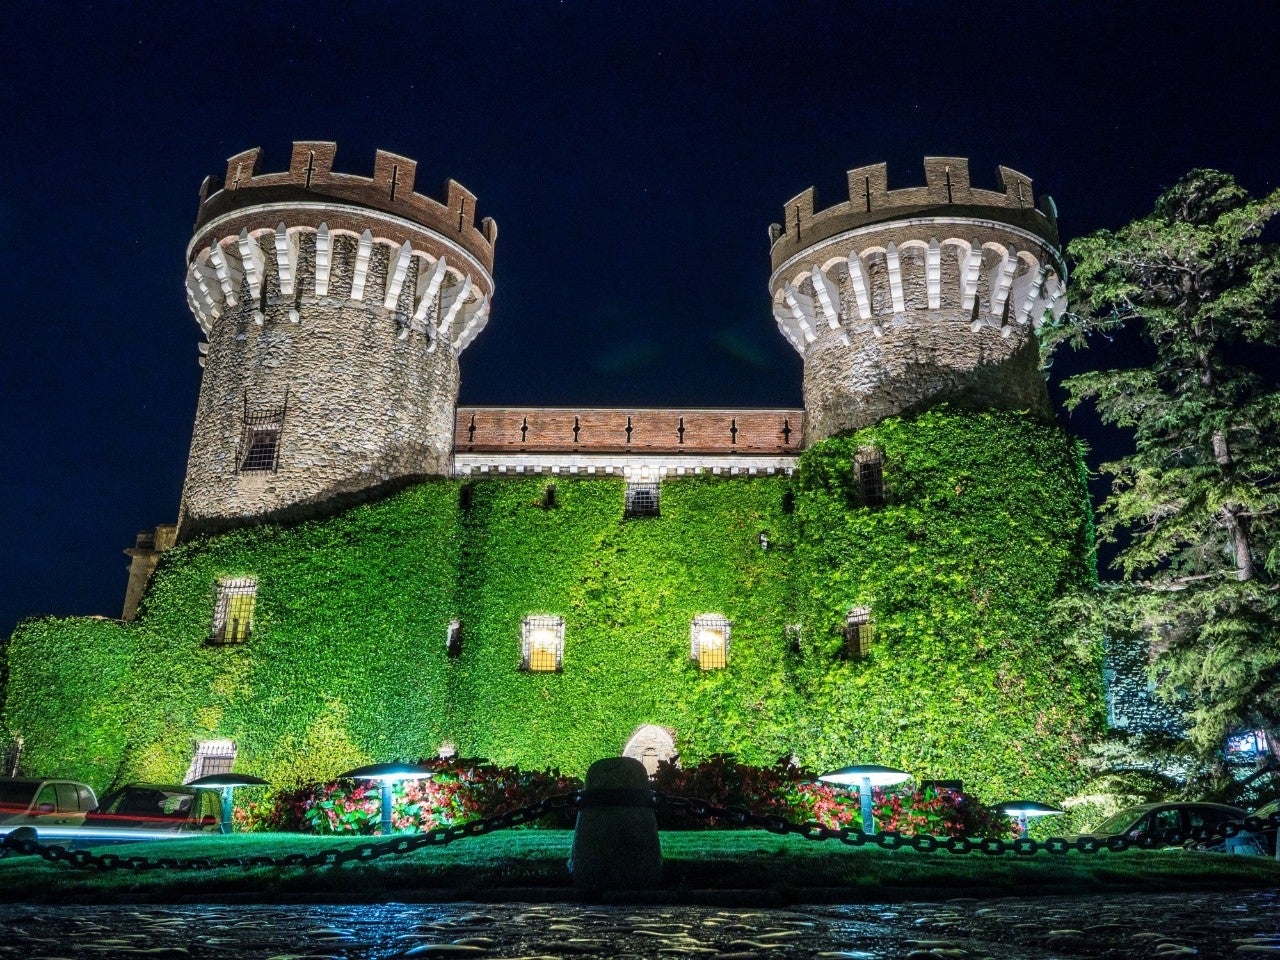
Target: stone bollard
x: 615, y: 842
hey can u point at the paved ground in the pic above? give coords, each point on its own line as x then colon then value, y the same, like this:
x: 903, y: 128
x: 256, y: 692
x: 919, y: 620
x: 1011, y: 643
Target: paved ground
x: 1238, y: 926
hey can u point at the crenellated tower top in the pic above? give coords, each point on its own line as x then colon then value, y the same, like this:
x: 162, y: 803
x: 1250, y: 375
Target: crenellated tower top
x: 311, y: 179
x: 947, y: 193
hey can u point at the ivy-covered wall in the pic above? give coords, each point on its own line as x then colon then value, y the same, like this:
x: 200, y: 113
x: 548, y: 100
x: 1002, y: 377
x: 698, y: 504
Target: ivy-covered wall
x: 986, y: 519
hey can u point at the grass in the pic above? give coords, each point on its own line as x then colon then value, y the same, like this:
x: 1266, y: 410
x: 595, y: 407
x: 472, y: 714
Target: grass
x: 530, y: 864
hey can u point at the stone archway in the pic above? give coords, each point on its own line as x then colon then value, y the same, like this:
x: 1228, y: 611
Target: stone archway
x: 651, y: 745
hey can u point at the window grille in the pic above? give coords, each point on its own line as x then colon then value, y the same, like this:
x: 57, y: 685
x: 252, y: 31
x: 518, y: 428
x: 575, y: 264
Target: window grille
x: 869, y: 466
x: 260, y: 438
x: 642, y: 500
x: 233, y: 610
x: 212, y: 756
x: 542, y: 644
x: 859, y: 630
x: 709, y: 641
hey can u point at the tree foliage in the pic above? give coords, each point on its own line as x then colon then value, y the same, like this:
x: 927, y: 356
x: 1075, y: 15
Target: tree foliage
x: 1194, y: 506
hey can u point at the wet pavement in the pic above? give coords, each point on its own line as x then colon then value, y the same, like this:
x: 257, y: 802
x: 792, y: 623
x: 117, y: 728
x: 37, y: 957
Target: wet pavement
x: 1235, y: 925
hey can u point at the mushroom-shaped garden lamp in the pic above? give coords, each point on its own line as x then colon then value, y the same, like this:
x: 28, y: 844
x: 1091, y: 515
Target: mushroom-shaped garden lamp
x: 1022, y: 809
x: 386, y: 774
x: 865, y: 776
x: 226, y: 783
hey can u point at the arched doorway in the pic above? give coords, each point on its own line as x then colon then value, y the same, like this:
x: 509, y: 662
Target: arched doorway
x: 651, y: 745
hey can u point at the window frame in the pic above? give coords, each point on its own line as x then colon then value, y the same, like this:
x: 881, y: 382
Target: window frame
x: 229, y: 597
x: 859, y: 633
x: 714, y: 623
x: 532, y: 661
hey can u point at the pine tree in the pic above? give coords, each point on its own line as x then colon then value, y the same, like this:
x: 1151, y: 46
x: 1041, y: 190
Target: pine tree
x: 1195, y: 507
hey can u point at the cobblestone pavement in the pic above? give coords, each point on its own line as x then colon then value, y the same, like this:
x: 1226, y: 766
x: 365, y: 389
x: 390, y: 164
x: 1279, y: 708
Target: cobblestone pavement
x: 1240, y: 926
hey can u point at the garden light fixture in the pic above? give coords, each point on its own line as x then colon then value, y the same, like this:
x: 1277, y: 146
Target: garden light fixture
x: 386, y: 774
x: 1022, y: 809
x: 226, y: 783
x: 864, y: 777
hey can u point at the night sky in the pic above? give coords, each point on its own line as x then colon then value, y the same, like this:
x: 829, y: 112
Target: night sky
x: 632, y: 154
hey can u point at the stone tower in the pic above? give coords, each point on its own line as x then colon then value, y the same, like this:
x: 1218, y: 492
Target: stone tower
x: 902, y: 299
x: 335, y: 307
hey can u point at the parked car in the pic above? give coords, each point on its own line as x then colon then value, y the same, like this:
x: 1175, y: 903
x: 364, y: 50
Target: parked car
x: 1157, y: 819
x: 153, y: 806
x: 43, y: 803
x: 1268, y: 835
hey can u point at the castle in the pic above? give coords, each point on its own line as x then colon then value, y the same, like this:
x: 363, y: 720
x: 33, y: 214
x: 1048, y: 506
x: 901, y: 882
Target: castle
x: 362, y: 570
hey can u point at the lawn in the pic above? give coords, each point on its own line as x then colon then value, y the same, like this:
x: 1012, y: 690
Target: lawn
x: 530, y: 864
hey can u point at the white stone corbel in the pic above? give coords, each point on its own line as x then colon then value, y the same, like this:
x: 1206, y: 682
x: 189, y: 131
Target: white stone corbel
x: 364, y: 253
x: 428, y: 287
x: 476, y: 317
x: 1000, y: 282
x: 228, y: 274
x: 396, y: 276
x: 894, y: 264
x: 254, y: 264
x: 801, y: 308
x: 826, y: 296
x: 1030, y: 291
x: 933, y: 274
x: 324, y: 259
x: 861, y: 289
x: 790, y: 329
x: 970, y: 267
x: 450, y: 313
x: 286, y: 259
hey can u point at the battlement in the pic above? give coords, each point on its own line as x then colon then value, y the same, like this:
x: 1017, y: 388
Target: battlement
x: 311, y: 179
x: 947, y: 193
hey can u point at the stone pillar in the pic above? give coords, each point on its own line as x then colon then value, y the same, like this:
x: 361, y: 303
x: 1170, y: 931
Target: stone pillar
x: 615, y: 842
x: 144, y: 555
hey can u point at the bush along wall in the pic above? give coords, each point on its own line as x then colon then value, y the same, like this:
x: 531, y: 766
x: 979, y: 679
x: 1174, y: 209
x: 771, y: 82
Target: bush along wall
x: 986, y: 519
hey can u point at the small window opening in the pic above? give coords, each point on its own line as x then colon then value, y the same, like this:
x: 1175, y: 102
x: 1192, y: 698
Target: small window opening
x: 549, y: 497
x: 233, y: 610
x: 709, y: 641
x: 869, y: 467
x: 260, y: 437
x: 791, y: 634
x: 788, y: 501
x: 542, y: 643
x: 642, y: 500
x: 786, y: 432
x: 211, y: 757
x: 859, y: 631
x: 453, y: 639
x: 576, y: 428
x: 465, y: 497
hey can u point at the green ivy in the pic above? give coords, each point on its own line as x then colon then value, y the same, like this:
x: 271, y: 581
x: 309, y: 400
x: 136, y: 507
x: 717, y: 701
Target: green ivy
x: 987, y: 520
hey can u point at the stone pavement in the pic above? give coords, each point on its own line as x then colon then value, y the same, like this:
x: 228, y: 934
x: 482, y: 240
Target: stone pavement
x: 1221, y: 925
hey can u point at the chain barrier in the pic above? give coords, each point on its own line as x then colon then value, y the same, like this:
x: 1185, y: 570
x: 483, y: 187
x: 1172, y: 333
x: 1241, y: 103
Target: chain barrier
x: 739, y: 817
x: 1025, y: 846
x: 363, y: 852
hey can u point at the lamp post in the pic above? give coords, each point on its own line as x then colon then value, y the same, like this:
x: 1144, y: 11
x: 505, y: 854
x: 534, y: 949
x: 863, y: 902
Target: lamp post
x: 1022, y: 809
x: 386, y: 774
x: 864, y: 777
x: 226, y: 783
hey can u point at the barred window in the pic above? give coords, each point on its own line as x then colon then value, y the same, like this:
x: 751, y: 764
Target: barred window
x: 869, y: 469
x: 859, y: 630
x: 709, y: 641
x: 212, y: 756
x: 642, y: 500
x: 260, y: 437
x: 233, y: 610
x: 542, y: 643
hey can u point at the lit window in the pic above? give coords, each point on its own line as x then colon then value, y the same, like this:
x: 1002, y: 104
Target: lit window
x: 858, y: 632
x: 233, y: 610
x: 869, y: 467
x: 212, y: 756
x: 541, y: 644
x: 709, y: 641
x: 642, y: 500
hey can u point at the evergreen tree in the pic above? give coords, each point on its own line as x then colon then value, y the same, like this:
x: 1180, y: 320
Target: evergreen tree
x: 1195, y: 507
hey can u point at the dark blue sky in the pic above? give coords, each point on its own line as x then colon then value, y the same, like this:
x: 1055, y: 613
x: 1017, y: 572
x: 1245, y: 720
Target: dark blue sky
x: 633, y: 156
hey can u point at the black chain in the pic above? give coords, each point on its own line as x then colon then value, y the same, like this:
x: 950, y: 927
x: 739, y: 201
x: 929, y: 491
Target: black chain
x: 332, y: 857
x: 890, y: 840
x: 691, y: 806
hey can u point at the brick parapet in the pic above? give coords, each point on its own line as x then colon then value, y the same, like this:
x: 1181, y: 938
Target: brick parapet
x: 311, y: 180
x: 692, y: 432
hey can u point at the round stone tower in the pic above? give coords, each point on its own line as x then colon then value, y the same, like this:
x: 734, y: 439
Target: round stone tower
x: 335, y: 307
x: 899, y: 300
